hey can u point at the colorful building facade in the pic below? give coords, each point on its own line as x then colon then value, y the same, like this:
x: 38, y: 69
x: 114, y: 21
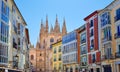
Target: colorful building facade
x: 57, y: 57
x: 109, y: 37
x: 70, y: 52
x: 83, y: 48
x: 14, y: 38
x: 92, y: 42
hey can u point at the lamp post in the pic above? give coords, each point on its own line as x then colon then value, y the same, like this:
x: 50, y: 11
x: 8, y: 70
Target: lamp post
x: 16, y: 61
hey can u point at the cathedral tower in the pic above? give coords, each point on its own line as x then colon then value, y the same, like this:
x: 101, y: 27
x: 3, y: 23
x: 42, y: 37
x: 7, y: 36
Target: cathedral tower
x: 43, y: 46
x: 64, y: 31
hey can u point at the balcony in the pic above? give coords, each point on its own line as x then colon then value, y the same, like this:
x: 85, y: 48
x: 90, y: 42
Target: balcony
x: 117, y: 35
x: 117, y: 55
x: 106, y: 25
x: 83, y: 52
x: 107, y: 57
x: 83, y: 41
x: 116, y: 18
x: 107, y: 39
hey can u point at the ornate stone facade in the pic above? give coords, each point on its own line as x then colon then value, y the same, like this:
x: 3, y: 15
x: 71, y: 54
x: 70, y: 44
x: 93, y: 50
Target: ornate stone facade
x: 44, y: 44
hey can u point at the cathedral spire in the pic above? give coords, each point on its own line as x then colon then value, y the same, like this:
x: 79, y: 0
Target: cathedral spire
x: 64, y: 31
x: 51, y: 30
x: 42, y: 27
x: 37, y: 45
x: 47, y: 27
x: 57, y: 27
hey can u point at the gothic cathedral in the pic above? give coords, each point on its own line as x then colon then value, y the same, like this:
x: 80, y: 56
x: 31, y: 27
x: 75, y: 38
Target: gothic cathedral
x: 43, y: 49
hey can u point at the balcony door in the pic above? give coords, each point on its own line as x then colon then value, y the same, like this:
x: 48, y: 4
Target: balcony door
x: 118, y: 49
x: 108, y: 52
x: 118, y: 30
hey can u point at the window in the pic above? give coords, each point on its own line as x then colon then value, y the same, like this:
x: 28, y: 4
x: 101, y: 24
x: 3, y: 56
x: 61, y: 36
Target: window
x: 19, y: 41
x: 69, y: 37
x: 59, y: 48
x: 98, y: 69
x: 105, y: 18
x: 108, y: 53
x: 3, y: 53
x: 14, y: 43
x: 84, y: 59
x: 40, y: 54
x: 83, y: 49
x: 107, y: 33
x: 60, y: 66
x: 32, y: 57
x: 55, y: 58
x: 92, y: 44
x: 91, y: 32
x: 83, y: 38
x: 118, y: 30
x: 117, y: 15
x: 13, y: 9
x: 59, y: 57
x: 55, y: 66
x: 93, y: 58
x: 54, y: 50
x: 51, y: 46
x: 91, y: 23
x: 51, y: 40
x: 119, y: 48
x: 5, y: 12
x: 4, y: 32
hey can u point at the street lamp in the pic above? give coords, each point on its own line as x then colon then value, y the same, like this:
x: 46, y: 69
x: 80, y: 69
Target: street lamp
x: 16, y: 61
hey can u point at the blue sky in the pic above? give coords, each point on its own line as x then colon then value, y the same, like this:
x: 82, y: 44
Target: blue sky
x: 74, y: 11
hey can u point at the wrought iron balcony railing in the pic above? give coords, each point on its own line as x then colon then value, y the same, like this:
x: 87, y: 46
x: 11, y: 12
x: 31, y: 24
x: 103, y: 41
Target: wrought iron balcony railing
x: 117, y: 54
x: 117, y: 35
x: 116, y: 18
x: 107, y: 39
x: 107, y: 57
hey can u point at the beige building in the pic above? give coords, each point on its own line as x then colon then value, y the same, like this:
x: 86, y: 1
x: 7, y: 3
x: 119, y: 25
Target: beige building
x: 14, y: 38
x: 109, y: 33
x: 44, y: 45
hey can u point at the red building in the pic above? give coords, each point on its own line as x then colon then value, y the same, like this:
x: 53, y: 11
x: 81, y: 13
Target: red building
x: 94, y: 56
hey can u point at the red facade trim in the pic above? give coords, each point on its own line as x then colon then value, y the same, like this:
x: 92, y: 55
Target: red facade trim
x: 88, y: 37
x: 98, y: 57
x: 92, y: 14
x: 90, y: 58
x: 96, y: 33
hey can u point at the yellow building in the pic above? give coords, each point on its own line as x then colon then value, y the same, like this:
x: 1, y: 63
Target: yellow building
x: 109, y: 33
x: 57, y: 56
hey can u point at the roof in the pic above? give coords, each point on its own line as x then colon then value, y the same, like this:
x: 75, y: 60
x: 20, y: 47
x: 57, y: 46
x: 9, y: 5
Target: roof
x: 81, y: 28
x: 57, y: 42
x: 19, y: 12
x: 92, y: 14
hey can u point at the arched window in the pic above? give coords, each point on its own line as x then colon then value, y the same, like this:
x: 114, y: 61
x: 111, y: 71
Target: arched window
x: 32, y: 57
x: 51, y: 40
x: 40, y: 54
